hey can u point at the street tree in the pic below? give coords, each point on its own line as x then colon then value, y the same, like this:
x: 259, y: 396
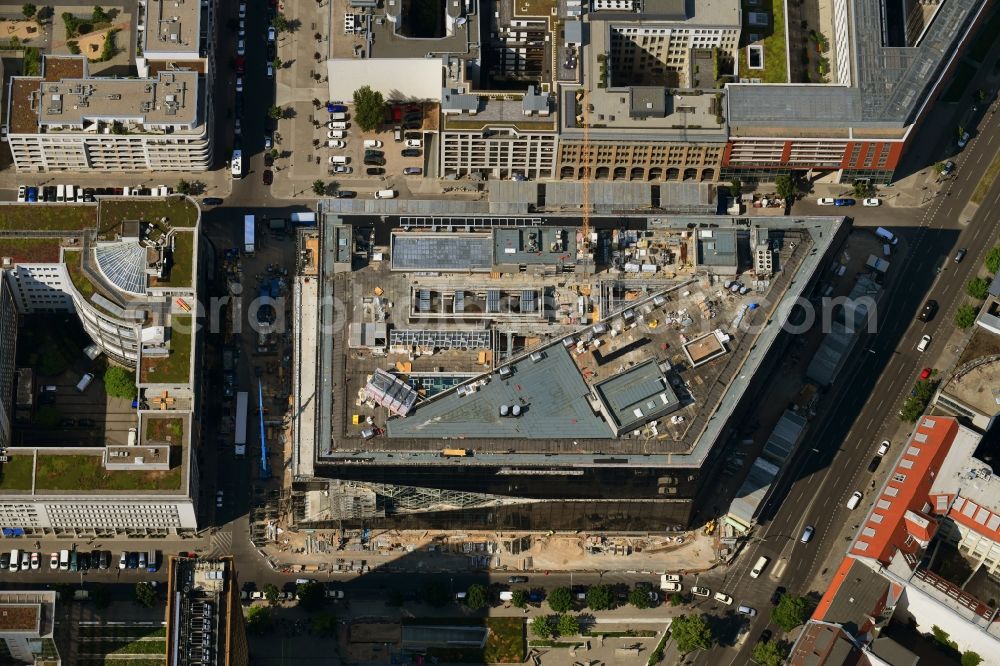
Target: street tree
x: 270, y: 593
x: 369, y: 108
x: 970, y: 658
x: 770, y: 653
x: 280, y: 22
x: 183, y: 186
x: 275, y: 112
x: 599, y: 597
x: 145, y: 594
x: 639, y: 598
x: 568, y: 625
x: 519, y: 598
x: 690, y: 633
x: 676, y: 599
x: 785, y: 186
x: 258, y: 620
x: 120, y: 383
x: 939, y: 167
x: 541, y: 626
x: 28, y: 10
x: 978, y: 288
x: 560, y: 600
x: 476, y: 597
x: 992, y: 261
x: 790, y: 612
x: 311, y: 596
x: 319, y: 188
x: 44, y: 14
x: 735, y: 187
x: 965, y: 316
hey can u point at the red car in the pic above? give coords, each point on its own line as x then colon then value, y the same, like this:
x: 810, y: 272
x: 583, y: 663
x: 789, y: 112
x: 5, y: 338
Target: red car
x: 925, y: 373
x: 241, y: 64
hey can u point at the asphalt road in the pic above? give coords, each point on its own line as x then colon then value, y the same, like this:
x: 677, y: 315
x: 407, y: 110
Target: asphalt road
x: 862, y: 408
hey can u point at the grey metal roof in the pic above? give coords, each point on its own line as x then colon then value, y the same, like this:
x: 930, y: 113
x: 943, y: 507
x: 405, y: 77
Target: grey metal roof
x: 890, y: 83
x: 784, y: 438
x: 646, y: 101
x: 638, y: 395
x: 124, y: 265
x: 512, y: 246
x: 719, y: 249
x: 603, y: 195
x: 551, y: 392
x: 442, y: 252
x: 749, y: 498
x: 688, y: 198
x: 535, y: 102
x: 573, y: 32
x: 444, y: 636
x: 829, y: 358
x: 458, y: 100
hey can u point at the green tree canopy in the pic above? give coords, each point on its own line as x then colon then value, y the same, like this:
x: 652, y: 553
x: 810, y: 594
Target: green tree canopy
x: 120, y: 383
x: 270, y: 593
x: 691, y: 632
x: 785, y: 186
x: 965, y: 316
x: 560, y: 600
x: 311, y: 595
x: 599, y: 597
x: 476, y: 597
x: 44, y: 13
x: 275, y: 112
x: 639, y: 598
x: 790, y: 612
x: 369, y: 108
x: 676, y: 599
x: 978, y: 287
x: 541, y: 626
x: 280, y: 22
x: 183, y: 186
x: 992, y: 261
x: 319, y: 188
x: 568, y: 625
x: 145, y: 594
x: 770, y: 653
x: 324, y: 623
x: 258, y: 620
x: 970, y: 658
x: 519, y: 598
x: 28, y: 10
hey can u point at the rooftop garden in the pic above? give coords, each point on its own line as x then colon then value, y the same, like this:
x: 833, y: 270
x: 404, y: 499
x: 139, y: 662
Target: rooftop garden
x: 47, y: 218
x: 174, y: 368
x: 179, y: 211
x: 15, y: 474
x: 775, y: 52
x: 33, y: 250
x: 86, y: 472
x: 164, y: 430
x: 181, y: 271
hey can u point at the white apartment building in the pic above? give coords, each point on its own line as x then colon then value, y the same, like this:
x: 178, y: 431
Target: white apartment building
x: 70, y: 120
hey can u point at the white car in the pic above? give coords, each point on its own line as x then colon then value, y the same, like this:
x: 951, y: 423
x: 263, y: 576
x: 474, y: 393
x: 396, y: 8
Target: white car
x: 123, y: 560
x: 883, y: 448
x: 872, y: 202
x: 54, y: 561
x: 724, y: 598
x: 241, y: 47
x: 700, y: 591
x: 340, y: 168
x: 239, y: 84
x: 924, y: 341
x: 36, y: 561
x: 825, y: 201
x: 270, y: 71
x: 219, y: 499
x: 414, y: 143
x: 268, y: 142
x: 334, y: 143
x: 963, y: 140
x: 243, y: 10
x: 272, y: 34
x: 335, y: 134
x: 671, y: 587
x: 21, y: 193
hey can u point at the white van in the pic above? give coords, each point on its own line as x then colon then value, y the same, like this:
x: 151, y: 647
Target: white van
x: 886, y: 235
x: 506, y: 595
x: 338, y: 116
x: 460, y: 596
x: 64, y: 559
x: 70, y: 193
x: 385, y: 194
x: 84, y: 382
x: 338, y: 159
x: 854, y: 500
x: 759, y: 567
x: 339, y: 134
x: 127, y: 191
x: 15, y: 560
x: 133, y: 435
x: 373, y: 143
x: 336, y: 125
x: 60, y: 193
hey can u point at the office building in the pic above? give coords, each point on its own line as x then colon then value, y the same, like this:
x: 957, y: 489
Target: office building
x: 133, y: 288
x: 27, y: 624
x: 204, y: 617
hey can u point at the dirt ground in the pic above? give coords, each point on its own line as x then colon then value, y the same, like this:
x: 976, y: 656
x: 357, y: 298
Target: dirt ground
x: 564, y: 553
x: 25, y: 31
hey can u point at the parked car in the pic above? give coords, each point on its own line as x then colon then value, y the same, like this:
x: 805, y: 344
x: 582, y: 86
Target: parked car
x: 269, y: 66
x: 700, y: 591
x: 924, y: 342
x: 949, y: 168
x: 32, y: 195
x: 219, y: 498
x: 517, y: 579
x: 53, y: 561
x: 272, y: 34
x: 844, y: 202
x: 960, y: 255
x: 414, y: 143
x: 825, y: 201
x: 239, y: 84
x: 241, y: 47
x: 337, y: 108
x: 268, y: 176
x: 930, y: 309
x: 335, y: 143
x: 375, y: 161
x: 777, y: 594
x: 341, y: 169
x: 375, y: 171
x: 412, y: 171
x: 883, y: 448
x: 211, y: 201
x: 411, y: 152
x: 22, y: 193
x: 133, y: 560
x: 345, y: 194
x: 36, y: 561
x: 872, y: 201
x: 964, y: 139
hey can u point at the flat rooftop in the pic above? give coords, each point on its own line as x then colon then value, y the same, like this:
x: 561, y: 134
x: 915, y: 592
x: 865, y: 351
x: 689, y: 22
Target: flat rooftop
x: 172, y: 27
x: 171, y: 98
x: 963, y: 474
x: 976, y: 386
x: 577, y: 348
x: 20, y: 618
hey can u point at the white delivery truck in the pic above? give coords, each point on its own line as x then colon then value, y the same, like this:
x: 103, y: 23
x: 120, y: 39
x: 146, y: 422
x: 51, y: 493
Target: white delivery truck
x: 242, y: 400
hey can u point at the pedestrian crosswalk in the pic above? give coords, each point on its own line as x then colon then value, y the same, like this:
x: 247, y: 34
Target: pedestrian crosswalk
x: 222, y: 544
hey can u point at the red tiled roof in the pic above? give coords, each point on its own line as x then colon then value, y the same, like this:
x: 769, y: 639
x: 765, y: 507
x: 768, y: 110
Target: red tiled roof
x: 885, y: 530
x: 831, y: 591
x: 977, y: 518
